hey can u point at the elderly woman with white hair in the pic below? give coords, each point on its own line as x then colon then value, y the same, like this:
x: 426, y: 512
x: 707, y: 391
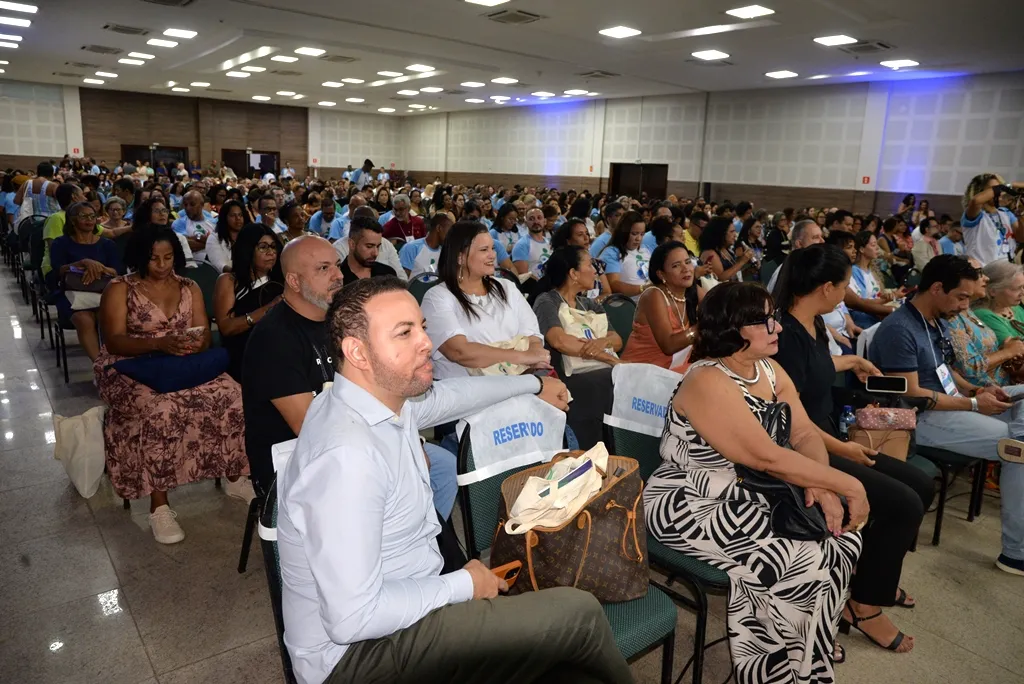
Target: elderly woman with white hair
x: 1000, y: 309
x: 115, y: 224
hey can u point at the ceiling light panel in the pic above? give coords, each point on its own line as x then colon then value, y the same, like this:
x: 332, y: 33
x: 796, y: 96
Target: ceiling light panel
x: 332, y: 84
x: 781, y: 74
x: 18, y: 7
x: 180, y: 33
x: 326, y: 103
x: 284, y: 58
x: 408, y: 93
x: 504, y: 80
x: 431, y: 89
x: 285, y: 93
x: 8, y: 36
x: 310, y: 52
x: 899, y: 63
x: 254, y: 69
x: 141, y: 55
x: 386, y: 110
x: 199, y: 84
x: 417, y: 106
x: 261, y: 98
x: 419, y: 67
x: 832, y: 41
x: 298, y: 96
x: 14, y: 21
x: 355, y: 81
x: 710, y: 55
x: 576, y: 91
x: 94, y: 81
x: 620, y: 32
x: 475, y: 100
x: 180, y: 90
x: 750, y: 12
x: 133, y: 62
x: 487, y: 3
x: 238, y: 74
x: 354, y: 100
x: 542, y: 93
x: 858, y: 73
x: 106, y: 74
x: 8, y: 45
x: 389, y: 74
x: 818, y: 77
x: 472, y: 84
x: 160, y: 42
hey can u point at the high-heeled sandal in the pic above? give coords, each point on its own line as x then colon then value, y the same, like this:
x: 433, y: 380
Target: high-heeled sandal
x: 844, y: 628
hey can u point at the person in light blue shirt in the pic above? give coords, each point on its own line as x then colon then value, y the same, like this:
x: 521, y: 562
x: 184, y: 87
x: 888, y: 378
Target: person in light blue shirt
x: 424, y: 254
x: 322, y: 222
x: 386, y: 216
x: 531, y: 252
x: 599, y: 243
x: 347, y: 173
x: 953, y: 241
x: 360, y: 177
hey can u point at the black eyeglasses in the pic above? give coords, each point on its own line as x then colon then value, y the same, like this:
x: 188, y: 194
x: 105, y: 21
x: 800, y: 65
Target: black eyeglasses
x: 771, y: 322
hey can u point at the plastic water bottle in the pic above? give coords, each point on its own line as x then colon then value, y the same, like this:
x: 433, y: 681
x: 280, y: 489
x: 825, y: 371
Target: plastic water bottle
x: 846, y: 420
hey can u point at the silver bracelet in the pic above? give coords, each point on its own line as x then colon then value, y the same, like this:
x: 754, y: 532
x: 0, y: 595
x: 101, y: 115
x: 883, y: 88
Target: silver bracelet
x: 974, y: 404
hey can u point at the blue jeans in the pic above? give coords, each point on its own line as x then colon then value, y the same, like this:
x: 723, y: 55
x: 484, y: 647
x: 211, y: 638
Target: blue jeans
x: 975, y: 434
x: 863, y: 319
x: 442, y: 478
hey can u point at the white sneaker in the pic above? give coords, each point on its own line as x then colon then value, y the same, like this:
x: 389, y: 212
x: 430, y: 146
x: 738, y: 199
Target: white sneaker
x: 1011, y: 450
x: 166, y: 529
x: 240, y: 489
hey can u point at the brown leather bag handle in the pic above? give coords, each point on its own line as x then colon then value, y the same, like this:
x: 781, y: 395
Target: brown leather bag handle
x: 532, y: 540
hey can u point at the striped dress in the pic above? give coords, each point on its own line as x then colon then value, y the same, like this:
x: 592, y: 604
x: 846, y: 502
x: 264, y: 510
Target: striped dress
x: 785, y: 596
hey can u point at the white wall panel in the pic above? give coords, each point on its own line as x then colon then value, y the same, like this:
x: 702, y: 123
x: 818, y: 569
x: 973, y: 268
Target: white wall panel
x: 425, y: 142
x: 347, y: 138
x: 940, y: 133
x: 807, y: 137
x: 34, y: 118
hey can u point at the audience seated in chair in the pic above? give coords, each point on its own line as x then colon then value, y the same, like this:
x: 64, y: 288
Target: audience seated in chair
x: 244, y: 296
x: 574, y: 232
x: 156, y: 442
x: 423, y: 255
x: 719, y: 250
x: 533, y: 249
x: 813, y: 280
x: 979, y: 421
x: 352, y: 589
x: 626, y: 261
x: 868, y: 302
x: 387, y: 254
x: 92, y: 260
x: 694, y: 503
x: 219, y: 245
x: 664, y: 323
x: 114, y: 224
x: 1000, y: 309
x: 151, y: 215
x: 365, y: 238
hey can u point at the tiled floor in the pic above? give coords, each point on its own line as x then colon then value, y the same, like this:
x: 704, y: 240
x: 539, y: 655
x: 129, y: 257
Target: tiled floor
x: 87, y: 596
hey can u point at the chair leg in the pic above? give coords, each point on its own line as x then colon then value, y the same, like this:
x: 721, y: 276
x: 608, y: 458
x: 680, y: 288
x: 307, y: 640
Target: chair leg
x: 56, y: 337
x: 64, y: 356
x: 250, y: 526
x: 668, y: 647
x: 216, y: 482
x: 49, y: 325
x: 699, y: 635
x: 943, y: 487
x: 977, y: 489
x: 127, y: 504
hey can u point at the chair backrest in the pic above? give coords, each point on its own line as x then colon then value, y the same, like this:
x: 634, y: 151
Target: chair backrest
x: 768, y: 269
x: 419, y: 285
x: 620, y: 310
x: 205, y: 276
x: 36, y: 245
x: 864, y: 340
x: 507, y: 275
x: 644, y: 448
x: 913, y: 279
x: 27, y: 227
x: 481, y: 501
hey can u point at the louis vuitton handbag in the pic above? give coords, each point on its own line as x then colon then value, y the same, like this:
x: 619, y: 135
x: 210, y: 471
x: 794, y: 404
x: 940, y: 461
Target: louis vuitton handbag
x: 602, y: 549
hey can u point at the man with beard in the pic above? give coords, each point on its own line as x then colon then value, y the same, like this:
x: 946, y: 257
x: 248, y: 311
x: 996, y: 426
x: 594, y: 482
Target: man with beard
x: 533, y: 249
x: 364, y: 238
x: 363, y: 596
x: 287, y: 359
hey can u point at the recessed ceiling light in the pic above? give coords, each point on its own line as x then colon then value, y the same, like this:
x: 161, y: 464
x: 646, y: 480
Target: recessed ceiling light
x: 160, y: 42
x: 107, y: 74
x: 310, y: 52
x: 417, y: 106
x: 8, y: 36
x: 389, y: 74
x: 254, y: 69
x: 19, y: 7
x: 332, y: 84
x: 4, y: 61
x: 284, y: 58
x: 710, y: 55
x: 432, y: 89
x: 386, y: 110
x: 298, y: 96
x: 180, y: 33
x: 500, y: 98
x: 353, y: 80
x: 286, y: 93
x: 133, y: 62
x: 8, y: 45
x: 749, y: 12
x: 504, y: 80
x: 171, y: 84
x: 180, y: 90
x: 238, y: 74
x: 575, y: 91
x: 400, y: 79
x: 818, y: 77
x: 711, y: 30
x: 408, y: 93
x: 858, y: 73
x: 899, y: 63
x: 475, y: 100
x: 199, y: 84
x: 542, y: 93
x: 472, y: 84
x: 419, y: 67
x: 11, y: 21
x: 832, y: 41
x: 487, y: 3
x: 593, y: 94
x: 431, y: 107
x: 141, y: 55
x: 326, y: 103
x: 95, y: 81
x: 565, y: 96
x: 354, y: 100
x: 619, y: 32
x: 261, y: 98
x: 781, y: 74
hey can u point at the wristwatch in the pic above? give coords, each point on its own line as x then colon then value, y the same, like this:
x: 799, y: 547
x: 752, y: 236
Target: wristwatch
x: 248, y: 319
x: 974, y: 404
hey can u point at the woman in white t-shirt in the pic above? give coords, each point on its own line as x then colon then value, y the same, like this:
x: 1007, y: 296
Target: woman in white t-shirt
x: 990, y: 232
x: 626, y: 261
x: 471, y: 309
x: 867, y: 301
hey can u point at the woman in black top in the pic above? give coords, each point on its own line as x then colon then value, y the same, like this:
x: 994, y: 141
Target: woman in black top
x: 813, y: 281
x: 243, y: 296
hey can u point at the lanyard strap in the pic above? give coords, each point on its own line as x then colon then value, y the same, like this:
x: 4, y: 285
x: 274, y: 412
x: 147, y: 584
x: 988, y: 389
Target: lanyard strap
x: 931, y: 345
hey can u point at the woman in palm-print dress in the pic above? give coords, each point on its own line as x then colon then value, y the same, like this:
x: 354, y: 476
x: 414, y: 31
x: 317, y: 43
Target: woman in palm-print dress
x: 785, y: 596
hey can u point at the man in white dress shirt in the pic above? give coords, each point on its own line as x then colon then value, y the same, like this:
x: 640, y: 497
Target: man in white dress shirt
x: 363, y: 599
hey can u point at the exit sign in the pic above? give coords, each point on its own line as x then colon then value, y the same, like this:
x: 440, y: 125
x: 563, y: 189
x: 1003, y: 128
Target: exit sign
x: 865, y: 180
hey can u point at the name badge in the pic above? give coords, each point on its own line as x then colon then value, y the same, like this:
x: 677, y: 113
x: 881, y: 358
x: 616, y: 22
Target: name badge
x: 946, y: 378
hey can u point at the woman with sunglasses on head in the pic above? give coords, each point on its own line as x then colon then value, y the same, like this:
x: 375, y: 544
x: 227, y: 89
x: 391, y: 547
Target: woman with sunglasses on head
x: 696, y: 503
x: 812, y: 283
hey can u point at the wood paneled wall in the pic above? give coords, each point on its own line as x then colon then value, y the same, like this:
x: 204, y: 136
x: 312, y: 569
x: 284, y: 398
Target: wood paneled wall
x: 775, y: 197
x: 20, y: 161
x: 114, y: 118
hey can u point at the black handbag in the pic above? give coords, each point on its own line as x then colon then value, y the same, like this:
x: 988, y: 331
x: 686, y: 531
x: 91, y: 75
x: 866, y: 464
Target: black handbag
x: 790, y: 517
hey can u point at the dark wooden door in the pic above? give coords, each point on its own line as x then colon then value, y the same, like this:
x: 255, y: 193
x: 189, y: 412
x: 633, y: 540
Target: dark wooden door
x: 625, y: 179
x: 654, y: 180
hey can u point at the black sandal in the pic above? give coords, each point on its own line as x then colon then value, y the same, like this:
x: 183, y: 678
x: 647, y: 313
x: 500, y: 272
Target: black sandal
x: 844, y: 628
x: 901, y: 599
x: 838, y: 654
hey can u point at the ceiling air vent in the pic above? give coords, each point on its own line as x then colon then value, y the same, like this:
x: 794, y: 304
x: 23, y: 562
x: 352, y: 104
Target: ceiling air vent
x: 217, y: 90
x: 171, y: 3
x: 338, y: 59
x: 597, y: 73
x: 285, y: 72
x: 102, y: 49
x: 127, y: 30
x: 865, y: 47
x: 82, y: 65
x: 709, y: 63
x: 516, y: 17
x: 66, y: 74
